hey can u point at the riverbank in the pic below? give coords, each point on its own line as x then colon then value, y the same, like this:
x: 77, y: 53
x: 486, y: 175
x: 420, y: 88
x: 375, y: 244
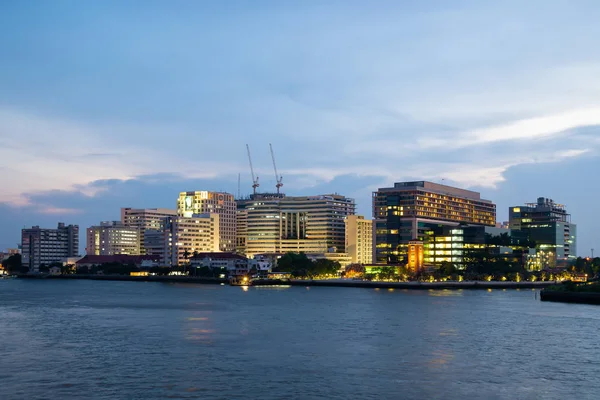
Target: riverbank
x: 305, y: 282
x: 586, y: 293
x: 409, y: 285
x: 151, y: 278
x: 570, y: 297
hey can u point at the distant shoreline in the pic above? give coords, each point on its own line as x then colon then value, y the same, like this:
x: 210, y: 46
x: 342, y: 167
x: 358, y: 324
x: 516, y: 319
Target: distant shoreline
x: 414, y: 285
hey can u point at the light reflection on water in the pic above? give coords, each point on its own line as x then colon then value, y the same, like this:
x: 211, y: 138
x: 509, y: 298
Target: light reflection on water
x: 154, y: 341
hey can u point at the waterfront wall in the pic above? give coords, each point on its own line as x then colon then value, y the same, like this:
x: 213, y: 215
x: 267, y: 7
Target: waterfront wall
x: 324, y: 282
x: 411, y: 285
x: 153, y: 278
x: 570, y: 297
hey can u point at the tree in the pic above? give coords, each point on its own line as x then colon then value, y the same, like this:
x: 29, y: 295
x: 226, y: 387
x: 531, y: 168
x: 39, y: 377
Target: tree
x: 13, y: 264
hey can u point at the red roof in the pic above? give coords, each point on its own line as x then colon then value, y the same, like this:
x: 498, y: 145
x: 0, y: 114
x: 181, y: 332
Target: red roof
x: 219, y: 256
x: 117, y: 258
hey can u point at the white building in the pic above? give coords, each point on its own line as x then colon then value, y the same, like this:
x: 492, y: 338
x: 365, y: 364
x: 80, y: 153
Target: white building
x: 274, y: 223
x: 146, y: 219
x: 45, y: 246
x: 112, y: 237
x: 223, y: 204
x: 359, y: 239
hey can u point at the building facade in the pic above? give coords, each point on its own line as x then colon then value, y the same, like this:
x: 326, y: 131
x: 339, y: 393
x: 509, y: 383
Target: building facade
x: 548, y: 226
x: 40, y: 246
x: 145, y: 219
x: 359, y: 239
x: 111, y: 238
x: 223, y: 204
x: 408, y: 210
x: 185, y: 236
x: 280, y: 224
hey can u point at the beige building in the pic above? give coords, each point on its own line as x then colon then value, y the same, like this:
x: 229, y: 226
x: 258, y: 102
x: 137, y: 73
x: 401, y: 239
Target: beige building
x: 223, y: 204
x: 184, y: 236
x: 359, y: 239
x: 145, y: 219
x: 112, y: 237
x: 274, y: 223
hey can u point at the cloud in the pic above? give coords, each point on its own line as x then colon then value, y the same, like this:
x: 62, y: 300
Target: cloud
x: 536, y: 128
x: 59, y: 211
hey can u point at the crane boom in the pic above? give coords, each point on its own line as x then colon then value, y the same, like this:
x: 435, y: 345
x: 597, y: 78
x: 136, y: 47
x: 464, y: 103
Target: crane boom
x: 254, y: 179
x: 278, y: 178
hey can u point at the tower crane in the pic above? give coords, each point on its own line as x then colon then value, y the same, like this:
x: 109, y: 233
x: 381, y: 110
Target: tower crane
x: 254, y: 179
x: 278, y: 177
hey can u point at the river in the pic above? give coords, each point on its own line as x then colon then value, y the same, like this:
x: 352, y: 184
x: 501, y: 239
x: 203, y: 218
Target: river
x: 131, y: 340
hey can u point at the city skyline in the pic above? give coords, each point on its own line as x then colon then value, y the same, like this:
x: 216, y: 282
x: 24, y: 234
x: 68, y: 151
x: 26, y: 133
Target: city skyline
x: 111, y: 111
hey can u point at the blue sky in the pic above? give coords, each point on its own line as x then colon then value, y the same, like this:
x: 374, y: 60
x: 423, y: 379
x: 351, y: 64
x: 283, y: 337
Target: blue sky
x: 127, y: 103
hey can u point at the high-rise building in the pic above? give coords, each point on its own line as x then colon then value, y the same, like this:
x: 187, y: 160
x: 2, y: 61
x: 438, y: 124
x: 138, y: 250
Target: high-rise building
x: 359, y: 239
x: 223, y: 204
x: 409, y: 209
x: 42, y: 246
x: 547, y: 225
x: 275, y: 223
x: 145, y: 219
x: 185, y: 236
x: 112, y: 237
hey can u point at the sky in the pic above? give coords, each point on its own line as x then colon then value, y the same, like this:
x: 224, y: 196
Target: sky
x: 109, y: 104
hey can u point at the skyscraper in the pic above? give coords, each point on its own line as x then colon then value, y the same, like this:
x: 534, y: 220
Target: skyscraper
x: 547, y: 225
x: 410, y: 209
x: 223, y: 204
x: 45, y: 246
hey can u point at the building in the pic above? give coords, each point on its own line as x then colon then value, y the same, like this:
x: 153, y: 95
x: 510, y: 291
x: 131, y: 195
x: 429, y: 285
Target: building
x: 9, y: 252
x: 406, y: 211
x: 185, y: 236
x: 140, y: 261
x: 223, y: 204
x: 112, y: 237
x: 145, y: 219
x: 547, y: 225
x: 359, y: 239
x: 416, y: 255
x: 40, y: 246
x: 216, y: 260
x: 275, y: 223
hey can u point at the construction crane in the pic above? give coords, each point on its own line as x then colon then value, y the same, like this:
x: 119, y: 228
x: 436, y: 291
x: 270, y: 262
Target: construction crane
x: 254, y: 179
x: 278, y: 177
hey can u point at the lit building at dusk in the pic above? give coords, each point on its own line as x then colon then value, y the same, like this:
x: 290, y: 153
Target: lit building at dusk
x: 111, y: 238
x: 547, y: 225
x: 145, y: 219
x: 415, y: 255
x: 359, y: 239
x: 279, y: 224
x: 408, y: 210
x: 185, y: 236
x: 223, y: 204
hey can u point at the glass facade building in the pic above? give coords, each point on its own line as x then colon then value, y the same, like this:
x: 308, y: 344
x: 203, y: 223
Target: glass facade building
x: 409, y: 210
x: 547, y: 225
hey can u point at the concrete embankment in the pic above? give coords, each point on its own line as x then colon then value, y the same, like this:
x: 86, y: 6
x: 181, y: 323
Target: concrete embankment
x: 153, y: 278
x: 570, y: 297
x: 410, y: 285
x: 324, y: 282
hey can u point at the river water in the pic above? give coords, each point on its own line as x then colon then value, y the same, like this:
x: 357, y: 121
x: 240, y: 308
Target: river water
x: 131, y: 340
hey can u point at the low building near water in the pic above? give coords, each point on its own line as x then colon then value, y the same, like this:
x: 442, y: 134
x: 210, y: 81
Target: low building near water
x: 140, y: 261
